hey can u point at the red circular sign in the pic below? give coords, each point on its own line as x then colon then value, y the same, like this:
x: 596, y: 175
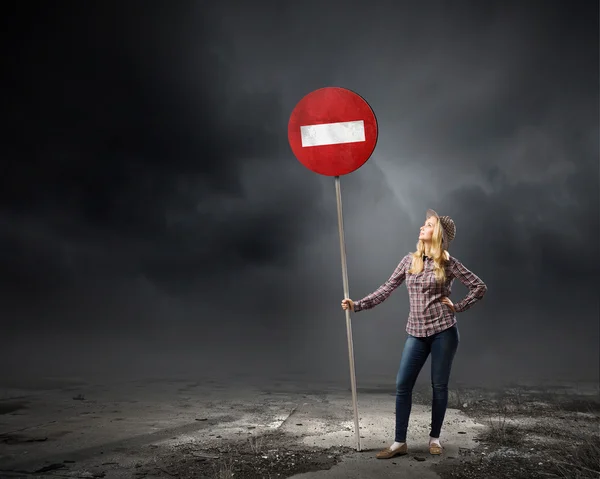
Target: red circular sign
x: 332, y: 131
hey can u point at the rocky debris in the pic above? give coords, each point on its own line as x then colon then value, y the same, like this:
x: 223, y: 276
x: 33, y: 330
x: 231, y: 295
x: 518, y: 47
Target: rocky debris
x: 530, y: 435
x: 268, y: 455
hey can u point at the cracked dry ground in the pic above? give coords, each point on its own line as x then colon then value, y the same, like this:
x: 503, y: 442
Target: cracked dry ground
x: 531, y: 434
x: 266, y: 456
x: 272, y: 455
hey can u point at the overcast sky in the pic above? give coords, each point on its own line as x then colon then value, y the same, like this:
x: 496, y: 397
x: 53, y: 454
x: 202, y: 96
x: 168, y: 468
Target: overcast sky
x: 154, y: 219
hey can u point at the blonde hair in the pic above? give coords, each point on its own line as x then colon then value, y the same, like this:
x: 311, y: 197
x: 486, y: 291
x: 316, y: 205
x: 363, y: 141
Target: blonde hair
x: 439, y: 255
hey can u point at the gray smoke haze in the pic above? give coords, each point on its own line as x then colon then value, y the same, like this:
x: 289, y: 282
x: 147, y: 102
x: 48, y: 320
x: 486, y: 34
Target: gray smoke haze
x: 154, y: 220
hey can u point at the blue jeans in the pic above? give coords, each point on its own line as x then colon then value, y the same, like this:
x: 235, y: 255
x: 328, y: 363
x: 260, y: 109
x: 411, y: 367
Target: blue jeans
x: 442, y: 346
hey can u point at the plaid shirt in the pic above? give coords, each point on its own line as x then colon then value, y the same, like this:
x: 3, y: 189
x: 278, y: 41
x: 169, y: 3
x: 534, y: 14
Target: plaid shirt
x: 428, y: 315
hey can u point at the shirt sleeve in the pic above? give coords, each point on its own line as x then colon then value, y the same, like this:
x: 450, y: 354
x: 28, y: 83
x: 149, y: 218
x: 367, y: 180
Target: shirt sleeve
x: 384, y: 291
x: 477, y: 287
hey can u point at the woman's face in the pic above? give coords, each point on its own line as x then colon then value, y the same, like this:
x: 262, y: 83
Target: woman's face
x: 426, y: 232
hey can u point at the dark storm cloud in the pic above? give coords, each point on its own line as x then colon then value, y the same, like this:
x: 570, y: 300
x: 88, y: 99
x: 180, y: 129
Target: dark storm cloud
x: 141, y: 137
x: 149, y: 192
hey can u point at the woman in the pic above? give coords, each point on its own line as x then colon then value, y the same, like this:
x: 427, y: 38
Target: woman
x: 429, y: 273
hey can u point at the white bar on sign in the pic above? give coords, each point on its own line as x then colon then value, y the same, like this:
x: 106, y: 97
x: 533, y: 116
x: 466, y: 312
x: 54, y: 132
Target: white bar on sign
x: 333, y: 133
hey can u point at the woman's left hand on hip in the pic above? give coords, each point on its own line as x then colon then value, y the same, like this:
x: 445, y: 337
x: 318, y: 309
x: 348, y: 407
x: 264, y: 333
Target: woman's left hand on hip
x: 447, y: 301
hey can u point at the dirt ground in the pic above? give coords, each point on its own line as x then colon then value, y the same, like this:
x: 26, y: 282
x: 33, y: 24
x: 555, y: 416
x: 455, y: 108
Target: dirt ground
x: 531, y: 433
x: 266, y: 456
x: 519, y: 432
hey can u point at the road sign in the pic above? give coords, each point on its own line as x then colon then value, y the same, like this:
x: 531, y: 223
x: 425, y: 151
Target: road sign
x: 332, y: 131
